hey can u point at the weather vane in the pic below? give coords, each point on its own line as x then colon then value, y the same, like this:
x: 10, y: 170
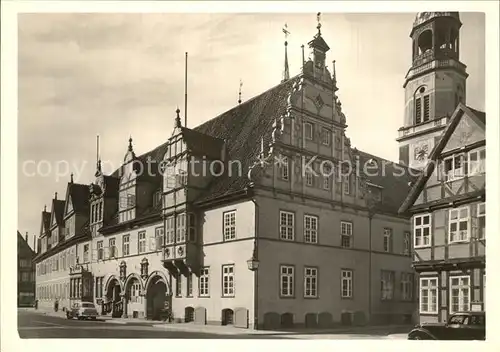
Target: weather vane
x: 285, y: 30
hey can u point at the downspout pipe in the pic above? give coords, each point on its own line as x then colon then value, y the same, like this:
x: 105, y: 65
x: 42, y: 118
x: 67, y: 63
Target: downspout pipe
x: 256, y: 254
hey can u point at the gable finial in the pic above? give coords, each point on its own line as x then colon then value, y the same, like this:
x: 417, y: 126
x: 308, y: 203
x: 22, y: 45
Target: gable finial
x: 239, y: 93
x: 130, y: 148
x: 318, y: 18
x: 286, y: 73
x: 71, y: 178
x: 45, y: 207
x: 55, y: 196
x: 178, y: 118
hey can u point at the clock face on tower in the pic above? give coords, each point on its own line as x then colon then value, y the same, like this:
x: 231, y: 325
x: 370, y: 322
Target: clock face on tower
x: 421, y: 153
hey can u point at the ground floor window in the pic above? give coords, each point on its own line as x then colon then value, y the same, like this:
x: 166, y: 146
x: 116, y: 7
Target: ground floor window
x: 135, y: 292
x: 406, y: 286
x: 428, y: 295
x: 459, y: 294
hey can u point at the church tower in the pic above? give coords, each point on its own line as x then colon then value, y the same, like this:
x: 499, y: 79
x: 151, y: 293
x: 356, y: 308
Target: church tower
x: 434, y: 84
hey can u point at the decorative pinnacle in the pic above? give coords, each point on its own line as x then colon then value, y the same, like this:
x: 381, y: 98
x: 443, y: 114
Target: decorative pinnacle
x: 178, y: 118
x: 45, y: 207
x: 318, y: 18
x: 287, y: 33
x: 71, y: 177
x: 55, y: 195
x: 130, y: 144
x: 239, y: 93
x: 334, y: 72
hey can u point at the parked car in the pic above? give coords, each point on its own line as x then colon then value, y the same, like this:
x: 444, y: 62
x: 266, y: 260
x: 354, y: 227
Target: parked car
x: 82, y: 310
x: 460, y: 326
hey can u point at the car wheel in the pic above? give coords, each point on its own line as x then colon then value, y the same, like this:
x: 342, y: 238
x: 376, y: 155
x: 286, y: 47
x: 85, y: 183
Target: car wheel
x: 93, y: 318
x: 68, y: 316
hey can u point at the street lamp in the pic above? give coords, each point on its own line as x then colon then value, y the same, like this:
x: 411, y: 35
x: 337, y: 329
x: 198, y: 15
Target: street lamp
x: 253, y: 262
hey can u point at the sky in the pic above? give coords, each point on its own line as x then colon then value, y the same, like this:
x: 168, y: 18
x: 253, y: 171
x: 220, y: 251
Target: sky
x: 122, y: 75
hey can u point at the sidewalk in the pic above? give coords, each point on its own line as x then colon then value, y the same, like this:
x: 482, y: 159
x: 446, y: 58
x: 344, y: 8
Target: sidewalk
x: 391, y: 331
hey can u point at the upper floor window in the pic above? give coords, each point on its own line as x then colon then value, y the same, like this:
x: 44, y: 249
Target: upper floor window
x: 180, y: 234
x: 100, y: 250
x: 422, y: 230
x: 229, y: 225
x: 113, y: 252
x: 85, y: 255
x: 310, y: 229
x: 283, y: 165
x: 126, y: 245
x: 170, y: 227
x: 346, y: 184
x: 308, y: 130
x: 326, y: 136
x: 387, y: 240
x: 477, y: 161
x: 159, y: 238
x: 327, y: 177
x: 287, y: 225
x: 422, y: 106
x: 454, y: 167
x: 459, y: 224
x: 192, y: 227
x: 309, y: 178
x: 142, y: 242
x: 346, y: 234
x: 481, y: 219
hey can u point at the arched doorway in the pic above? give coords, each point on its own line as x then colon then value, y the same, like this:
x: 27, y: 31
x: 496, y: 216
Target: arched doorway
x: 113, y: 298
x: 133, y: 295
x: 227, y: 316
x: 157, y: 297
x: 188, y: 314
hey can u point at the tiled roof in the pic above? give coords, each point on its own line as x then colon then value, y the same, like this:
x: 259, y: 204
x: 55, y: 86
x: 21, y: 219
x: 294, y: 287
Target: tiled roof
x: 58, y: 209
x: 394, y: 178
x: 46, y: 220
x: 79, y: 197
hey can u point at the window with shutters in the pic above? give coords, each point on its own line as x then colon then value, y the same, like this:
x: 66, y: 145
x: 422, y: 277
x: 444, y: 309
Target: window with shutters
x: 427, y: 109
x: 229, y: 225
x: 310, y: 229
x: 459, y: 225
x: 418, y: 111
x: 287, y: 224
x: 142, y: 242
